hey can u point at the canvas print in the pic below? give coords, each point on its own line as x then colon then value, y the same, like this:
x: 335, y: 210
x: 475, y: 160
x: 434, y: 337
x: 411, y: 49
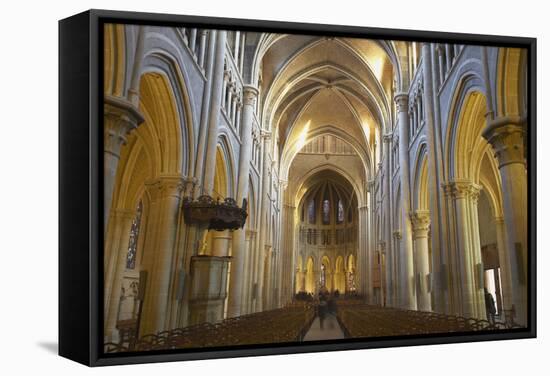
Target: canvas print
x: 265, y: 188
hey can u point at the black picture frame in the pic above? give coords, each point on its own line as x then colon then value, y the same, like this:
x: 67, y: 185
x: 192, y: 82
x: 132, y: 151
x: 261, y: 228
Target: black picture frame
x: 80, y: 182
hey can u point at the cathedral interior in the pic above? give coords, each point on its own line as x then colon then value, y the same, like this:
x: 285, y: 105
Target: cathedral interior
x: 268, y: 188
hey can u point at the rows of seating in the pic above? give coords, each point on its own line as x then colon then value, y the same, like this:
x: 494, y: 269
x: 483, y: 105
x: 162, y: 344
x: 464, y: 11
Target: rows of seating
x: 362, y: 320
x: 287, y: 324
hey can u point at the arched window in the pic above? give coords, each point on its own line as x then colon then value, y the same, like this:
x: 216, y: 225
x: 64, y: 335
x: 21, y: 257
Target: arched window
x: 311, y: 211
x: 326, y: 212
x: 340, y: 214
x: 134, y: 236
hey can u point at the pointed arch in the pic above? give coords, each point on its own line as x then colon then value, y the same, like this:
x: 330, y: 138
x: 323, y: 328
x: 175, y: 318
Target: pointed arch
x: 512, y: 82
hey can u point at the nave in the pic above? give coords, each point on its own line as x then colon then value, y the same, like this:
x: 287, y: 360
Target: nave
x: 303, y: 322
x: 391, y: 175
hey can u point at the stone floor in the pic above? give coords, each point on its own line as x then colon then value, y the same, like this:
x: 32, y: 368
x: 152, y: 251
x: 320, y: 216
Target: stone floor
x: 329, y: 330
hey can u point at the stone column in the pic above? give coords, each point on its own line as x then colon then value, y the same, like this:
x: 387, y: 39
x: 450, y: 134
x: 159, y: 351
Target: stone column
x: 397, y: 245
x: 239, y: 124
x: 193, y: 42
x: 371, y: 243
x: 246, y: 296
x: 160, y: 249
x: 420, y: 225
x: 250, y: 94
x: 287, y: 249
x: 234, y: 102
x: 120, y: 118
x: 439, y: 226
x: 221, y: 241
x: 205, y: 111
x: 264, y: 218
x: 506, y: 135
x: 504, y: 262
x: 116, y: 249
x: 229, y: 99
x: 442, y: 62
x: 202, y: 47
x: 448, y: 57
x: 466, y: 257
x: 214, y: 112
x: 408, y: 298
x: 302, y: 282
x: 391, y: 300
x: 363, y: 261
x: 382, y: 253
x: 264, y: 292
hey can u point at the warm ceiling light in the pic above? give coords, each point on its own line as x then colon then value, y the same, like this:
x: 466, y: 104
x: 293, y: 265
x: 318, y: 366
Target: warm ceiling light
x: 302, y: 137
x: 366, y: 130
x: 376, y: 63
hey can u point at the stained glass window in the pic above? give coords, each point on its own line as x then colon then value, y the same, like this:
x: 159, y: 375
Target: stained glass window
x: 311, y: 211
x: 340, y: 216
x: 326, y: 212
x: 134, y: 236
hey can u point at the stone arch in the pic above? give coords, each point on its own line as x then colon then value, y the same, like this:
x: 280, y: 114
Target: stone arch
x: 114, y: 59
x: 326, y: 265
x: 420, y: 197
x: 161, y: 63
x: 155, y: 148
x: 467, y: 153
x: 330, y: 167
x: 269, y: 40
x: 221, y: 176
x: 339, y: 275
x: 226, y: 158
x: 511, y: 99
x: 465, y: 146
x: 376, y: 100
x: 151, y: 157
x: 251, y: 220
x: 218, y: 242
x: 292, y: 149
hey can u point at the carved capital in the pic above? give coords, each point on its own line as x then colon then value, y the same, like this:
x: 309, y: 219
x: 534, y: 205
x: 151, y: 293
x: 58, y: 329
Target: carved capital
x: 420, y: 220
x: 120, y: 118
x: 388, y: 137
x: 506, y: 136
x: 462, y: 188
x: 397, y: 235
x: 402, y: 102
x: 166, y: 186
x: 250, y: 93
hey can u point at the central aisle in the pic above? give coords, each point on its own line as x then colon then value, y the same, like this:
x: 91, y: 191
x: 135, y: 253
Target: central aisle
x: 329, y: 330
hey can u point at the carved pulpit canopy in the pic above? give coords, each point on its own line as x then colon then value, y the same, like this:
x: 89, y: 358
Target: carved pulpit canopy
x: 213, y: 214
